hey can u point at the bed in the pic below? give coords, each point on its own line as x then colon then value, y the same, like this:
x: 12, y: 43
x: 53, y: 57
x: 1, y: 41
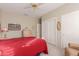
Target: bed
x: 23, y: 46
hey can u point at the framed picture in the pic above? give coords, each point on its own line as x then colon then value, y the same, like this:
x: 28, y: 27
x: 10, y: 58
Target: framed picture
x: 14, y: 27
x: 58, y: 25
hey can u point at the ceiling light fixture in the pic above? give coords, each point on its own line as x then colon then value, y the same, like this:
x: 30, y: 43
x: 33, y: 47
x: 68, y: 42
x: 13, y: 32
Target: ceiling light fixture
x: 34, y: 6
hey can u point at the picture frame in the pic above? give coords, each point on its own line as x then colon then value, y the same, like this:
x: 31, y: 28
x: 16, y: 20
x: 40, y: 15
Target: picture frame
x: 14, y: 27
x: 58, y: 25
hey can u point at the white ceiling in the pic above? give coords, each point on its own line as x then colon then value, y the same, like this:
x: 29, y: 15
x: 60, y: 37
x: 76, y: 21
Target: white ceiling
x: 25, y: 8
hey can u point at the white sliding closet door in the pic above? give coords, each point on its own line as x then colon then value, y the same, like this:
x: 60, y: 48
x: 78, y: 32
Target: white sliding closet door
x: 49, y: 30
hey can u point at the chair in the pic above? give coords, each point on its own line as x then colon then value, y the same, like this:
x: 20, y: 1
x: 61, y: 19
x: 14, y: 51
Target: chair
x: 72, y: 49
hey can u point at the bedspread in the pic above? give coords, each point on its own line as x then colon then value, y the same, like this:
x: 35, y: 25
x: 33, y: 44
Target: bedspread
x: 24, y: 46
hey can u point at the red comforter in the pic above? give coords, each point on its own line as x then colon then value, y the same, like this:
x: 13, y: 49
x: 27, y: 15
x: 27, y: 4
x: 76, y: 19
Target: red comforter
x: 25, y: 46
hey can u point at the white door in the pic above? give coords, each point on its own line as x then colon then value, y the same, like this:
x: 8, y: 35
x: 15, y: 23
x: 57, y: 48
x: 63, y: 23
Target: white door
x: 45, y: 29
x: 49, y: 30
x: 38, y: 30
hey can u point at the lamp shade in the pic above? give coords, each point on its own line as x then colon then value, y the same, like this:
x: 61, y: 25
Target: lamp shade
x: 4, y: 29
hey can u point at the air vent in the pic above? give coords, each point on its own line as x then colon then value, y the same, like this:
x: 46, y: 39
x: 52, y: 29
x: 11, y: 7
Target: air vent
x: 25, y: 14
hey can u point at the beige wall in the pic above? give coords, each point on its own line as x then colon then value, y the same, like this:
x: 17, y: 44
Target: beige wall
x: 24, y: 21
x: 70, y: 28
